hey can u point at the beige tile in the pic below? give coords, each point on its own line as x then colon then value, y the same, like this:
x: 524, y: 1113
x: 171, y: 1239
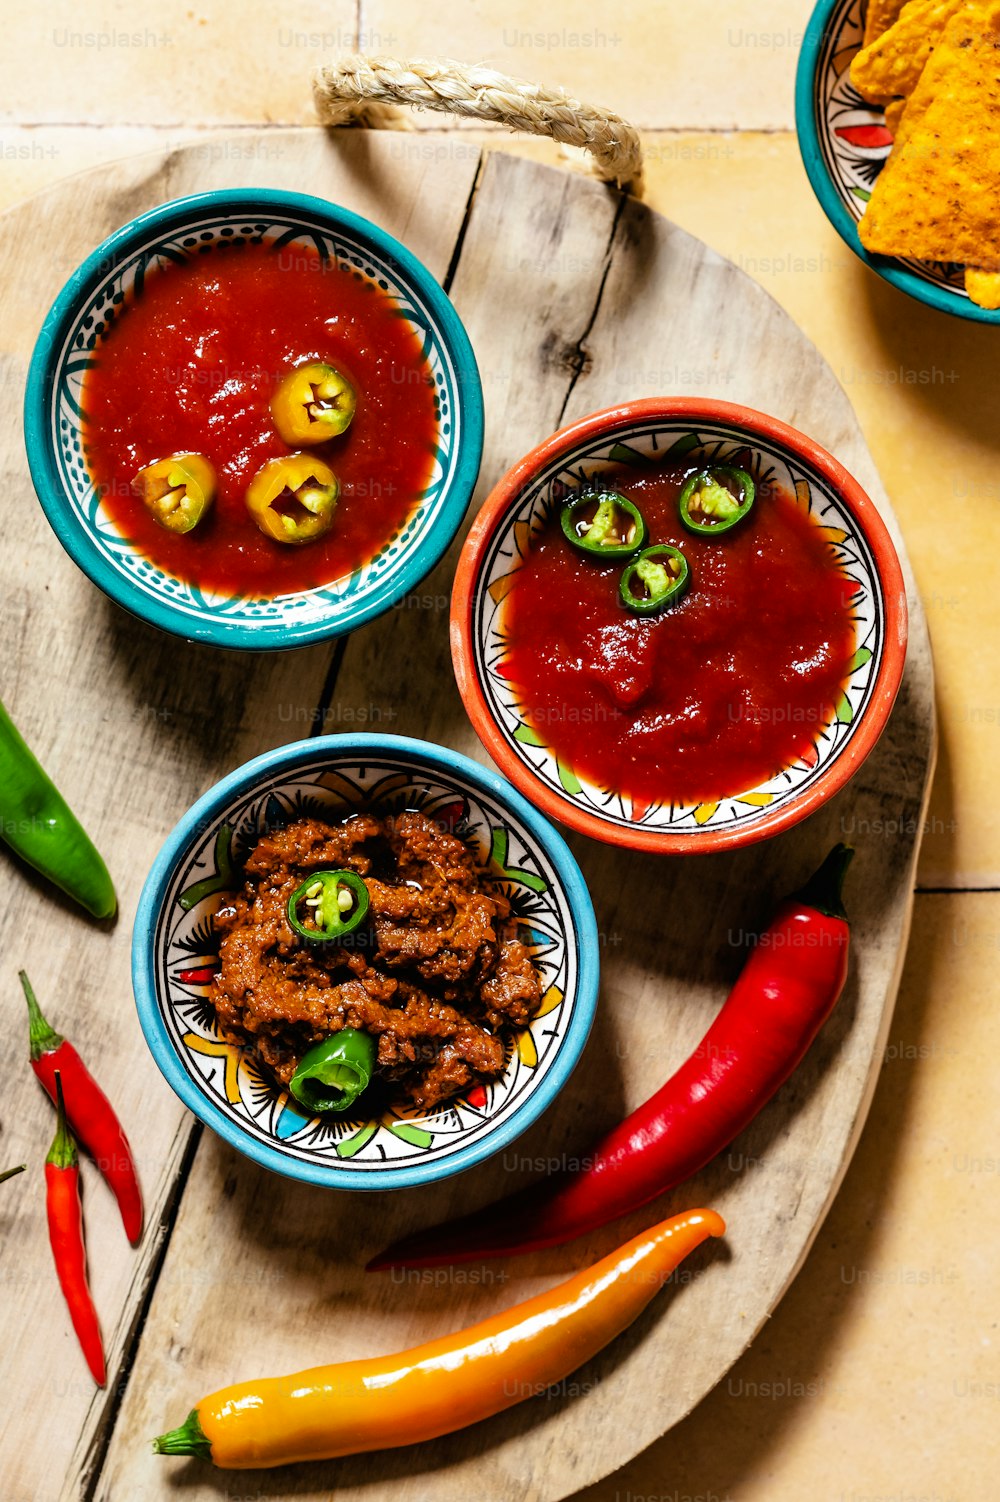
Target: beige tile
x: 876, y: 1380
x: 168, y: 63
x: 924, y: 388
x: 660, y: 63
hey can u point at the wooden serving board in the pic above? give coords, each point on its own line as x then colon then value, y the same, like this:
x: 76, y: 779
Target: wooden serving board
x: 575, y: 298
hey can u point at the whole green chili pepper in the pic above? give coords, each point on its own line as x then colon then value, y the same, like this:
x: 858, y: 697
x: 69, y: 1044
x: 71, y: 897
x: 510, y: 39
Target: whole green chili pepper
x: 328, y: 905
x: 39, y: 826
x: 332, y: 1075
x: 707, y: 503
x: 654, y: 580
x: 603, y: 524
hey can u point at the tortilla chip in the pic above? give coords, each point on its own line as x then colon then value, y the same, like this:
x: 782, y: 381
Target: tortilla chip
x: 982, y: 286
x: 936, y: 197
x: 894, y: 115
x: 893, y: 63
x: 879, y: 16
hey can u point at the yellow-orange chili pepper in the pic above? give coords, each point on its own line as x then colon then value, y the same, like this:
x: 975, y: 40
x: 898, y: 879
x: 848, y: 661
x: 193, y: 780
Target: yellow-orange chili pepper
x: 384, y: 1402
x: 177, y: 491
x: 313, y: 403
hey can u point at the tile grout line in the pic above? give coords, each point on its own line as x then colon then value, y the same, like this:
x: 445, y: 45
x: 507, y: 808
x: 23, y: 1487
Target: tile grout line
x: 501, y: 132
x: 950, y: 891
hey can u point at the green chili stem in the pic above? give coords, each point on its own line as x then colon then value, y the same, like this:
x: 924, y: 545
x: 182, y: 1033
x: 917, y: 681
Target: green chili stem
x: 62, y: 1153
x: 42, y: 1037
x: 188, y: 1439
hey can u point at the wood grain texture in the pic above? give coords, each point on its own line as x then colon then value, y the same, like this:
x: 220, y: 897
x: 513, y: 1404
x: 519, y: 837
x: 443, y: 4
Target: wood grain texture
x: 134, y: 726
x: 574, y: 299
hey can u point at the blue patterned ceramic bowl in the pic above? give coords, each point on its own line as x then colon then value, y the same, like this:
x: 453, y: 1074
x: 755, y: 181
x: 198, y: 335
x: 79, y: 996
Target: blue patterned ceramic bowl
x: 844, y: 144
x: 82, y: 313
x: 174, y: 952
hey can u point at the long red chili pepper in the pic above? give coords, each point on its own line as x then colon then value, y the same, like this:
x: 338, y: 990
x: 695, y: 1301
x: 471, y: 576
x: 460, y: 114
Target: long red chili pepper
x: 787, y: 989
x: 91, y: 1115
x: 65, y: 1215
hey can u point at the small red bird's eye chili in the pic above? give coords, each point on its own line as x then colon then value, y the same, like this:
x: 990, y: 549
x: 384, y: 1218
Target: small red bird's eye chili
x: 91, y: 1115
x: 785, y: 992
x: 65, y: 1216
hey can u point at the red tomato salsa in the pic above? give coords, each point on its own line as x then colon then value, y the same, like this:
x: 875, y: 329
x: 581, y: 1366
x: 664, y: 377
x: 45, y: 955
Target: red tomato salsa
x: 190, y: 366
x: 713, y: 696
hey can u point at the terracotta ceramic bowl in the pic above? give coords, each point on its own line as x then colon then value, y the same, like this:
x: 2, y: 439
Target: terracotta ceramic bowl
x: 635, y: 432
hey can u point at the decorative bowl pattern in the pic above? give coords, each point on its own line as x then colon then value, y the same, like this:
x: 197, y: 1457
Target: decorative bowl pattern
x: 844, y: 143
x: 88, y: 305
x: 633, y: 434
x: 175, y: 953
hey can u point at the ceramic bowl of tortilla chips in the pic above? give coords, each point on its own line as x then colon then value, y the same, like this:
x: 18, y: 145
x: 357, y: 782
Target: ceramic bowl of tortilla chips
x: 895, y: 106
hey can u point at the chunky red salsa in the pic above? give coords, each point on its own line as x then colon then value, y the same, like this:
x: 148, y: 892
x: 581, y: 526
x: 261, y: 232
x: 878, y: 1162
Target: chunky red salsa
x: 191, y: 365
x: 710, y: 698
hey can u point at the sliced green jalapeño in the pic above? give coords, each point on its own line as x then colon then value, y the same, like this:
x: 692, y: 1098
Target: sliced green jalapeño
x: 714, y: 500
x: 331, y: 1076
x: 328, y: 905
x: 654, y: 580
x: 603, y: 524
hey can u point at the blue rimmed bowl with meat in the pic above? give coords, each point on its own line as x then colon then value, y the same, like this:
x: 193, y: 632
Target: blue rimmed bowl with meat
x: 366, y: 962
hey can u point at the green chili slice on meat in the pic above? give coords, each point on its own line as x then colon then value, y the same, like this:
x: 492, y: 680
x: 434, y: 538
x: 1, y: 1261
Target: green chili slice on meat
x: 654, y: 580
x: 332, y: 1075
x: 603, y: 524
x: 328, y: 905
x: 716, y: 499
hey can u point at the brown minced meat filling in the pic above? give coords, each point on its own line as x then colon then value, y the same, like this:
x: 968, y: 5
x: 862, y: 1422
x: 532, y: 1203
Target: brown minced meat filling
x: 437, y: 977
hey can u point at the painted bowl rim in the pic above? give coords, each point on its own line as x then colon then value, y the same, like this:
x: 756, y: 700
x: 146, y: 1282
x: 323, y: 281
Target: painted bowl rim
x: 443, y: 762
x: 887, y: 267
x: 76, y: 537
x: 759, y: 427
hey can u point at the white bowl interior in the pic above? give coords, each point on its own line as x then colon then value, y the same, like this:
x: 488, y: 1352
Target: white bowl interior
x: 715, y: 444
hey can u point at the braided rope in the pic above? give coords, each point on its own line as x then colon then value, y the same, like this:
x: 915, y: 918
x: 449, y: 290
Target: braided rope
x: 353, y: 87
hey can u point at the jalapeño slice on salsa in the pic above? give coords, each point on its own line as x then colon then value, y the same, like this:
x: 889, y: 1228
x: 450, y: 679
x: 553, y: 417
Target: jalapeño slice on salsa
x: 313, y: 402
x: 328, y: 905
x: 714, y: 500
x: 654, y: 580
x: 293, y: 499
x: 603, y: 524
x: 177, y: 491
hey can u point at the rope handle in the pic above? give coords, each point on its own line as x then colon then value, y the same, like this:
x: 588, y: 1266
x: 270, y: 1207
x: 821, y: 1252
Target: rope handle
x: 349, y: 90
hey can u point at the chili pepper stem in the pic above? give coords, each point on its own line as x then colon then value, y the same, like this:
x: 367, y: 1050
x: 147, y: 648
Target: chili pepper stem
x: 187, y: 1439
x: 824, y: 888
x: 62, y: 1153
x: 10, y: 1173
x: 42, y: 1037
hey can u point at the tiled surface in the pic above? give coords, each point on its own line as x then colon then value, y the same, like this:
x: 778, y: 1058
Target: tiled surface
x: 877, y: 1376
x: 876, y: 1379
